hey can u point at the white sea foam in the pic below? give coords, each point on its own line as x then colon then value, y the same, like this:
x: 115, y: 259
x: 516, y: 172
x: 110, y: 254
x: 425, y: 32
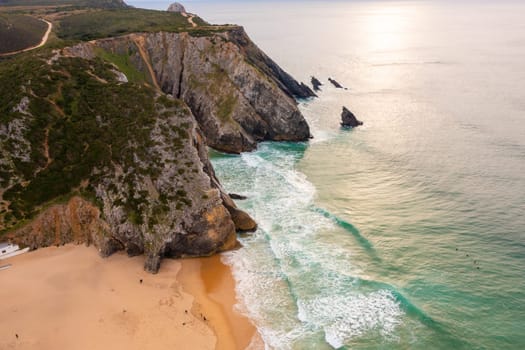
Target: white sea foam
x: 347, y: 316
x: 294, y: 275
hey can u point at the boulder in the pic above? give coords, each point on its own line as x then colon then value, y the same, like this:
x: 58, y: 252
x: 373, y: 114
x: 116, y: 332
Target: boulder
x: 176, y: 7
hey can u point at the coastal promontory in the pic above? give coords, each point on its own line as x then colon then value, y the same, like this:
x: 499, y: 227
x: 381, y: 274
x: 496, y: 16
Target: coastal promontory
x: 104, y: 132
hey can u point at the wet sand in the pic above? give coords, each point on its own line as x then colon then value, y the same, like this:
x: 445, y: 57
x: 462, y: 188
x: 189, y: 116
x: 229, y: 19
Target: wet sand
x: 70, y: 298
x: 211, y: 283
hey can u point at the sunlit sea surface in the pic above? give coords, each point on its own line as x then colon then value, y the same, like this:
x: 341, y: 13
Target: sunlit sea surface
x: 407, y: 232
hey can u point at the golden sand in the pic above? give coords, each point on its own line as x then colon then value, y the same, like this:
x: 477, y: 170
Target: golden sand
x: 211, y: 282
x: 70, y: 298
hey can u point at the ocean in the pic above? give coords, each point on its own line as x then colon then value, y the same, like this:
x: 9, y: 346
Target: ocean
x: 409, y: 231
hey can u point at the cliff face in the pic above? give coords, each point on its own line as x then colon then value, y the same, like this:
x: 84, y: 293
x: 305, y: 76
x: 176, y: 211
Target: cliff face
x: 106, y: 142
x: 238, y: 95
x: 133, y: 160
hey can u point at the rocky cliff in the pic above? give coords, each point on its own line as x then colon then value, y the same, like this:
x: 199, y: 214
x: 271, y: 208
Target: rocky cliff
x: 238, y: 95
x: 106, y: 142
x: 88, y: 158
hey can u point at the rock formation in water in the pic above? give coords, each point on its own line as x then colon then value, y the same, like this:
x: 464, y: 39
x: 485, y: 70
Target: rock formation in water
x: 316, y: 84
x: 348, y: 119
x: 176, y: 7
x: 115, y: 155
x: 335, y: 83
x: 237, y: 196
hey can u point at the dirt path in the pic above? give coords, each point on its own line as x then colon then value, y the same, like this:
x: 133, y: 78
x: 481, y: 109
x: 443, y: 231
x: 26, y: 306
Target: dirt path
x: 139, y: 41
x: 46, y: 149
x: 42, y: 42
x: 190, y: 17
x: 190, y: 20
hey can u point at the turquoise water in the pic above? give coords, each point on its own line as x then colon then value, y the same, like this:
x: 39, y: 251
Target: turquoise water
x: 408, y: 232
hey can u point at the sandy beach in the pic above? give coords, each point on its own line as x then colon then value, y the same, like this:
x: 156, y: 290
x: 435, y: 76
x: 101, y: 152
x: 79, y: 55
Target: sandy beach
x: 70, y: 298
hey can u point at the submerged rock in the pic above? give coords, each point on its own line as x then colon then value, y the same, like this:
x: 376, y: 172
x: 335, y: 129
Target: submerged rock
x: 348, y: 119
x: 176, y: 7
x: 316, y: 83
x: 335, y: 83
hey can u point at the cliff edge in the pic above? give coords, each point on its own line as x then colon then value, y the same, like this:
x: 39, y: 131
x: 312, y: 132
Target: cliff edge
x: 238, y: 95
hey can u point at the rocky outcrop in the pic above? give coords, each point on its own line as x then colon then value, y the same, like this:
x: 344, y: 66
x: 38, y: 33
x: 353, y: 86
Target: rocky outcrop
x: 259, y: 59
x: 121, y: 161
x: 77, y: 221
x: 176, y: 7
x: 238, y: 95
x: 144, y: 183
x: 335, y: 83
x: 316, y: 83
x: 348, y: 119
x: 237, y: 196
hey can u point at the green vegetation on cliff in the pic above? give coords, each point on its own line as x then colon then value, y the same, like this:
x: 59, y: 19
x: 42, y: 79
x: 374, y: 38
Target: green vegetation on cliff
x: 61, y: 122
x: 77, y: 3
x: 109, y: 23
x: 124, y: 64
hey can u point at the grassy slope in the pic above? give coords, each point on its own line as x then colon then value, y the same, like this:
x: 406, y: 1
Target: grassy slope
x: 108, y: 23
x: 124, y: 64
x: 82, y: 3
x: 84, y: 20
x: 18, y: 32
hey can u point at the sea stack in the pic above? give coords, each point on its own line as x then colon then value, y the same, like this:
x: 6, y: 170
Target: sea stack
x: 348, y: 119
x: 335, y: 83
x: 316, y: 83
x: 176, y: 7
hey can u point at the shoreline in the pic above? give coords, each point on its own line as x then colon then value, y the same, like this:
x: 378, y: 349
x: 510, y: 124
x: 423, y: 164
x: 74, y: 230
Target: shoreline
x: 70, y: 297
x: 211, y: 282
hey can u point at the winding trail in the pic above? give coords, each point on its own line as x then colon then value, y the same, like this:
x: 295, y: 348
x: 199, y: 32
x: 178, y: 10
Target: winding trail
x: 42, y: 42
x: 139, y: 42
x: 190, y: 17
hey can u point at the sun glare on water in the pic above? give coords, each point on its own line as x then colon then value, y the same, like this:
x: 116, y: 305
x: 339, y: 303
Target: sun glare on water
x: 387, y: 27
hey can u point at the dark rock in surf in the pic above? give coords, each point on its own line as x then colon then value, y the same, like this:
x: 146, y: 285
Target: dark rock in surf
x: 335, y: 83
x: 348, y: 119
x: 316, y: 84
x: 237, y: 196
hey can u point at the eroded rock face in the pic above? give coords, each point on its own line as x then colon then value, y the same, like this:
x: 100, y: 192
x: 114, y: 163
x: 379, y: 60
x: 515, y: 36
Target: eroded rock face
x: 151, y: 187
x: 77, y: 221
x: 147, y: 175
x: 237, y: 94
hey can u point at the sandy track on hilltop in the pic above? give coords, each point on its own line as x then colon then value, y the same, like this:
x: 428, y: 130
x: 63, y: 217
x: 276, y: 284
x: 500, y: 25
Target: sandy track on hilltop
x: 42, y: 42
x: 190, y: 17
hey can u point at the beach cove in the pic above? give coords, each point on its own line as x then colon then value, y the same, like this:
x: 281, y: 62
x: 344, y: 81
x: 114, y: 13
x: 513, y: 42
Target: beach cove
x: 69, y: 298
